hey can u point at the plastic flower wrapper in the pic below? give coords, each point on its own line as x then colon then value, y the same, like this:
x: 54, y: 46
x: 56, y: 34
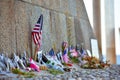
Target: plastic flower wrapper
x: 65, y: 52
x: 33, y: 65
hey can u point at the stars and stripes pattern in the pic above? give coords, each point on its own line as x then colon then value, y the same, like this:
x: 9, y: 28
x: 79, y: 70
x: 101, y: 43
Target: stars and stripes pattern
x: 37, y: 32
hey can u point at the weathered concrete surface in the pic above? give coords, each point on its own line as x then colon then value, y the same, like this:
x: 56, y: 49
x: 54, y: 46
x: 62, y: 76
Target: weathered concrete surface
x: 72, y: 7
x: 81, y: 11
x: 23, y: 29
x: 64, y: 6
x: 83, y: 32
x: 71, y: 31
x: 64, y: 20
x: 7, y: 27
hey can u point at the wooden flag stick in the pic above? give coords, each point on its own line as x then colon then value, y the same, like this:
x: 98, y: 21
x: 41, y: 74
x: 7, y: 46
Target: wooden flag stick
x: 35, y: 52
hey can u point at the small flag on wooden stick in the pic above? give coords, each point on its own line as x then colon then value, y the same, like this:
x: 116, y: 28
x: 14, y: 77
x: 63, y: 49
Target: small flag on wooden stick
x: 37, y: 34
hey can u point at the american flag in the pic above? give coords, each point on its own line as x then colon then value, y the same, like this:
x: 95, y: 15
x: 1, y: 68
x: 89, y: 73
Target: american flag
x: 37, y: 31
x: 83, y: 52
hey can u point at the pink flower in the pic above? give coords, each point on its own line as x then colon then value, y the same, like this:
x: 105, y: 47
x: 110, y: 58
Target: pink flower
x: 65, y: 58
x: 74, y: 53
x: 33, y: 65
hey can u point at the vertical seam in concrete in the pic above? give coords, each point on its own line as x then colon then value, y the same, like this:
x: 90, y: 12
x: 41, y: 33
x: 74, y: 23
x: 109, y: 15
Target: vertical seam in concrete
x: 15, y: 27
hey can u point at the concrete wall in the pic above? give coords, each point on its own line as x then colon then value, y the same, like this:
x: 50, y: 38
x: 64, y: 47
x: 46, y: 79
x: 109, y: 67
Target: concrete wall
x: 64, y: 20
x: 110, y: 31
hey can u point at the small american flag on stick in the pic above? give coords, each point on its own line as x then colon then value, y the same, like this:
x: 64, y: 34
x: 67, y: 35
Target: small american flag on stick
x: 37, y: 32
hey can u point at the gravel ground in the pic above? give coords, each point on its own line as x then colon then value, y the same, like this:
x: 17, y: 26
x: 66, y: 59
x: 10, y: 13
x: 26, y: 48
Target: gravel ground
x: 111, y: 73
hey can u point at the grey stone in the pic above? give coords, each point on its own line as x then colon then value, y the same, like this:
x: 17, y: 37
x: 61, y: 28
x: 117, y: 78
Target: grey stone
x: 71, y: 31
x: 54, y: 4
x: 30, y: 1
x: 23, y: 37
x: 68, y: 76
x: 46, y: 78
x: 79, y: 78
x: 72, y: 7
x: 58, y: 30
x: 71, y: 79
x: 46, y: 45
x: 11, y: 75
x: 7, y: 35
x: 64, y: 6
x: 61, y: 30
x: 1, y: 70
x: 45, y: 3
x: 36, y: 78
x: 83, y: 32
x: 81, y: 10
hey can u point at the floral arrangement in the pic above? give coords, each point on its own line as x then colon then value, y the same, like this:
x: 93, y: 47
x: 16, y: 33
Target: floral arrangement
x: 94, y: 63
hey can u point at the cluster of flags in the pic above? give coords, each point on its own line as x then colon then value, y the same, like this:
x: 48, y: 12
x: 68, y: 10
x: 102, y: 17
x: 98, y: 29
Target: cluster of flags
x: 37, y: 38
x: 50, y: 60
